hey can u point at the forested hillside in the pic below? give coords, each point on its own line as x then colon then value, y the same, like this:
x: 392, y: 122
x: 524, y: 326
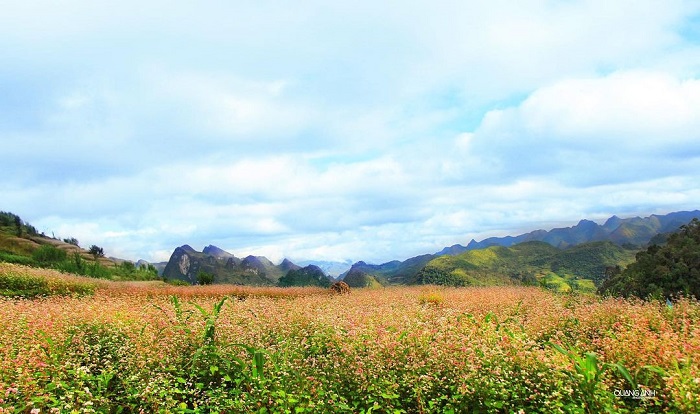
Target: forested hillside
x: 581, y: 267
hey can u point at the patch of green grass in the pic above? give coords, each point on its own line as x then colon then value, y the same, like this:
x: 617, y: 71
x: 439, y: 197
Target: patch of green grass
x: 16, y: 258
x: 556, y: 283
x: 583, y: 285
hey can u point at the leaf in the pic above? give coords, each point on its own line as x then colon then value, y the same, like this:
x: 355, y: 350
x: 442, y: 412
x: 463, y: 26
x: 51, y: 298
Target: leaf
x: 201, y: 310
x: 625, y: 374
x: 655, y: 369
x: 258, y: 363
x: 559, y: 349
x: 591, y: 365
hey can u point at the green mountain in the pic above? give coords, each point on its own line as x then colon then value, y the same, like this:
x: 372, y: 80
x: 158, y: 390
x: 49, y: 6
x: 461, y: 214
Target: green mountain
x: 636, y: 231
x: 394, y: 272
x: 663, y: 270
x: 357, y: 278
x: 580, y: 267
x: 185, y: 264
x: 310, y: 275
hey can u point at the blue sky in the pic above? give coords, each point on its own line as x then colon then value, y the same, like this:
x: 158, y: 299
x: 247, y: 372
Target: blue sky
x: 343, y: 130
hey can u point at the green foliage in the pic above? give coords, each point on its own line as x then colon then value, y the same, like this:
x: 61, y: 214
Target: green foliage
x: 587, y: 375
x: 421, y: 351
x: 128, y: 266
x: 79, y: 266
x: 208, y: 365
x: 96, y: 251
x: 529, y: 263
x: 204, y: 278
x: 72, y: 240
x: 128, y: 271
x: 590, y: 260
x: 47, y: 255
x: 17, y: 259
x: 12, y: 224
x: 18, y: 226
x: 149, y: 268
x: 554, y: 282
x: 662, y: 271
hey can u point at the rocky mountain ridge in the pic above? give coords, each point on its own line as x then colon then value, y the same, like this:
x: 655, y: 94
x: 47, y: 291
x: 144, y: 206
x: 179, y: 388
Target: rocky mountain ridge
x: 634, y: 232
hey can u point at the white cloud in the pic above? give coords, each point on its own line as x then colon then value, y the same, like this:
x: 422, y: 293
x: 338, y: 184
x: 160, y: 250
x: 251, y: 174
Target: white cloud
x: 610, y: 129
x: 343, y: 130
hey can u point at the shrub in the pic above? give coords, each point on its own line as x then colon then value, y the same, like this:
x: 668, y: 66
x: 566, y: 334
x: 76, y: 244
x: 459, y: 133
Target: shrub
x: 431, y: 298
x: 205, y: 278
x: 47, y: 254
x: 340, y: 288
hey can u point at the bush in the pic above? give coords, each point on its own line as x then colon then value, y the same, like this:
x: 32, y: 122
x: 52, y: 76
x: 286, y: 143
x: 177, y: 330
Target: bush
x: 204, y: 278
x: 78, y: 266
x: 72, y: 241
x: 96, y: 251
x: 340, y: 288
x: 48, y: 255
x: 431, y: 298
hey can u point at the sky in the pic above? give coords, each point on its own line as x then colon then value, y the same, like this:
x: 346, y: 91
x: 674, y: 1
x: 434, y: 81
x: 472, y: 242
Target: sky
x: 343, y: 131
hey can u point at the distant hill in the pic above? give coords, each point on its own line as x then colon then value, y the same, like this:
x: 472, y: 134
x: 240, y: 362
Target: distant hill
x: 357, y: 278
x: 185, y: 263
x: 331, y: 268
x: 21, y: 244
x: 310, y: 275
x: 394, y: 272
x: 581, y: 267
x: 578, y: 258
x: 634, y: 231
x: 19, y: 239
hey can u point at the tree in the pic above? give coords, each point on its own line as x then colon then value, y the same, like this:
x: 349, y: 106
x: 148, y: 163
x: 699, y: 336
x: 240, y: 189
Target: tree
x: 96, y: 251
x: 128, y: 267
x: 149, y: 268
x: 205, y: 278
x: 71, y: 240
x: 18, y: 226
x: 662, y: 271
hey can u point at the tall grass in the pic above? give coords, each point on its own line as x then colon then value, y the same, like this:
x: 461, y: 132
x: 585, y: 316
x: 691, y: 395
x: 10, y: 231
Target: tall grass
x: 147, y: 348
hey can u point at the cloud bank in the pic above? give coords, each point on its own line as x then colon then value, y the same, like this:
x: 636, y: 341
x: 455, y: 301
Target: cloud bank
x: 343, y: 132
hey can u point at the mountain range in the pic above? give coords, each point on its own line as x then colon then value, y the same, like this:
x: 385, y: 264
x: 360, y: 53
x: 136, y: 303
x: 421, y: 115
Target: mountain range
x: 632, y: 233
x: 635, y: 231
x: 185, y: 264
x: 620, y: 236
x: 581, y: 267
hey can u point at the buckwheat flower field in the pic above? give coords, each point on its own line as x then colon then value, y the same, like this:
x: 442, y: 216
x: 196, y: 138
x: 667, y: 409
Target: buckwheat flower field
x: 153, y: 348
